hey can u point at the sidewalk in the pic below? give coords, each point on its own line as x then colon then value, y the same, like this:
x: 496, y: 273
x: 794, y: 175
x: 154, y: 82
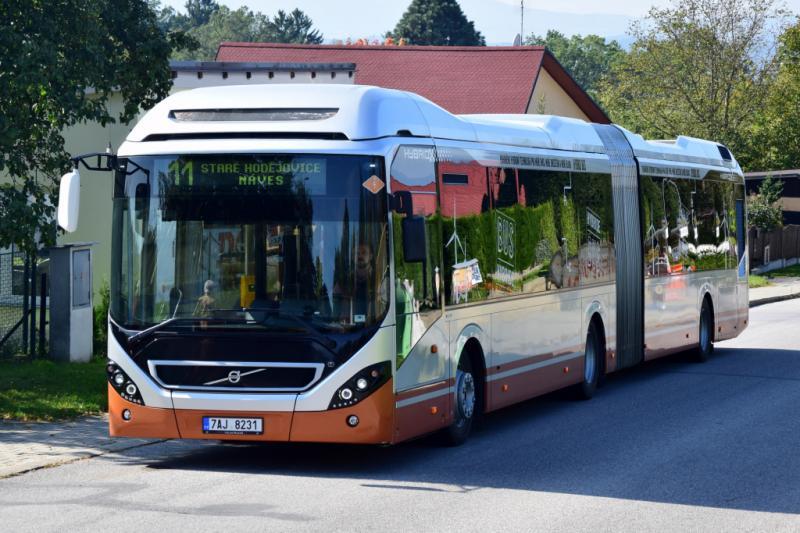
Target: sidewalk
x: 781, y: 289
x: 26, y: 446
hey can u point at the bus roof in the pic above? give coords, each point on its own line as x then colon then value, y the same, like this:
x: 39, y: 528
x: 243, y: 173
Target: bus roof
x: 360, y: 112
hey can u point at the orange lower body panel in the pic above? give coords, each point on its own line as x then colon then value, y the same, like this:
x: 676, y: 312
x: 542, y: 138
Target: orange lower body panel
x: 375, y: 415
x: 276, y: 425
x: 145, y: 422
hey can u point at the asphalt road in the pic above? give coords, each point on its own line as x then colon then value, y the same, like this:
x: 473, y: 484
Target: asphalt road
x: 671, y: 445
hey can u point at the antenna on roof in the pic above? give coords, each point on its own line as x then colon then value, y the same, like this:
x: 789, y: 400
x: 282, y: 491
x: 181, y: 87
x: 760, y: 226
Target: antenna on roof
x: 521, y: 20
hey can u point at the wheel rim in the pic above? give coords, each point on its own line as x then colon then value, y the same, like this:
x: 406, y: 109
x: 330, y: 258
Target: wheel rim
x: 465, y: 395
x: 704, y: 335
x: 590, y: 363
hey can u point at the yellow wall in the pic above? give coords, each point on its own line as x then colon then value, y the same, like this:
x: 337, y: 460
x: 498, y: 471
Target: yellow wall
x: 94, y: 221
x: 550, y: 99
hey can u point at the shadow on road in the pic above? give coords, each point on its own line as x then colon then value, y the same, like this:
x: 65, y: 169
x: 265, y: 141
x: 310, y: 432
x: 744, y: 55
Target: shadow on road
x: 721, y: 434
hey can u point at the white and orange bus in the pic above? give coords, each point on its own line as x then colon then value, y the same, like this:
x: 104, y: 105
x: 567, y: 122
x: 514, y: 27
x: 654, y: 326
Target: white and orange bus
x: 355, y: 264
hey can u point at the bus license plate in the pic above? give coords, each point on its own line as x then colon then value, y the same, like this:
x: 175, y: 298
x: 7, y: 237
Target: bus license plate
x: 233, y: 426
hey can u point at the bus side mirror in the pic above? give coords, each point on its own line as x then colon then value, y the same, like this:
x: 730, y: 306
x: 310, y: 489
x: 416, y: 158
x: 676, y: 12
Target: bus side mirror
x: 69, y: 199
x: 402, y: 203
x: 414, y: 248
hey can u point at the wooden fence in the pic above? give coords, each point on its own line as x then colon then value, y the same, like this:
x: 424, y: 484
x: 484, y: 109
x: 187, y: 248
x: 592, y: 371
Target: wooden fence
x: 774, y: 249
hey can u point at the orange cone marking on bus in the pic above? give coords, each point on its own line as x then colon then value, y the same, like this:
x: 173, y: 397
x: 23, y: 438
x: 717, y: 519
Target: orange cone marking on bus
x: 505, y: 388
x: 434, y: 410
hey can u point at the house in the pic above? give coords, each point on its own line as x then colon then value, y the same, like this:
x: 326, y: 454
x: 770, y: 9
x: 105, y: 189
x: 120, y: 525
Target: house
x: 790, y: 202
x: 461, y: 79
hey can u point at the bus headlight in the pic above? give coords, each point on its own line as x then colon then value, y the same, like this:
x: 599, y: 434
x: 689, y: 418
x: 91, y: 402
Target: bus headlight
x: 364, y: 383
x: 121, y: 383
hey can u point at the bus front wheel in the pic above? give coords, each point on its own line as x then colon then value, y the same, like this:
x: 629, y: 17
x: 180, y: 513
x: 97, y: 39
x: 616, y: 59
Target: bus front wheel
x: 705, y: 345
x: 465, y: 405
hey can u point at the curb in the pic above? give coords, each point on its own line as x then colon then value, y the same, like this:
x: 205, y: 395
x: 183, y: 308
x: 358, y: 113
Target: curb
x: 773, y: 299
x: 71, y: 460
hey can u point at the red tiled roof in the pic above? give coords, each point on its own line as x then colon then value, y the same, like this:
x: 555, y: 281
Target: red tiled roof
x: 461, y: 79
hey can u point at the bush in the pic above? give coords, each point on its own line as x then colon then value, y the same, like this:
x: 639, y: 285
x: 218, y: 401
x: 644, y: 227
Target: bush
x: 100, y: 328
x: 763, y: 210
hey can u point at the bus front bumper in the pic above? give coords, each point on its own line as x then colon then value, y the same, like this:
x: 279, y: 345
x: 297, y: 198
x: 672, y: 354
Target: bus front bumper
x: 375, y: 425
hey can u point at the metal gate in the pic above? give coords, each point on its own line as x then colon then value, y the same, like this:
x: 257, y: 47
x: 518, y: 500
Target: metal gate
x: 628, y: 245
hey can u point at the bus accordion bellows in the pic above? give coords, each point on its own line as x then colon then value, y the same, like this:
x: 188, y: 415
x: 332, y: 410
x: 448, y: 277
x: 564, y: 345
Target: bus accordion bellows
x: 321, y: 263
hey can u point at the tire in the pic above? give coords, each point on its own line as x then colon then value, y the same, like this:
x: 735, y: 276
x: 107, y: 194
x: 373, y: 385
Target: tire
x: 465, y: 411
x: 705, y: 345
x: 592, y: 364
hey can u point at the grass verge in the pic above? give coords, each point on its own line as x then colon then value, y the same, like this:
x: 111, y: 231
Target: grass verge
x: 755, y: 281
x: 790, y: 271
x: 44, y: 390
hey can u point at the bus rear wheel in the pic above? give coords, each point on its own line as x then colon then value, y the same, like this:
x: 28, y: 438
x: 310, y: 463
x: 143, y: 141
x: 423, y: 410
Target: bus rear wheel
x: 466, y: 403
x: 592, y: 363
x: 705, y: 345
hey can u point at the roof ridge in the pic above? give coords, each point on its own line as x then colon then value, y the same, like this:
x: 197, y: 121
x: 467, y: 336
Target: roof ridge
x: 408, y: 47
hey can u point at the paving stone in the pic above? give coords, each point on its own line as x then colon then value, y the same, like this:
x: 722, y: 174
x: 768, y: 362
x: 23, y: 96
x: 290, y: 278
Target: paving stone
x: 27, y: 446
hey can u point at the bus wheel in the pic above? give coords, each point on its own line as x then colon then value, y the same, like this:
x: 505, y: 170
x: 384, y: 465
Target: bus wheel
x: 592, y: 363
x: 464, y: 414
x: 706, y: 345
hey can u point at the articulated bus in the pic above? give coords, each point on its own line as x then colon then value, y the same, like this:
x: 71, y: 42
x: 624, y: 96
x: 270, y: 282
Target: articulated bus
x: 355, y: 264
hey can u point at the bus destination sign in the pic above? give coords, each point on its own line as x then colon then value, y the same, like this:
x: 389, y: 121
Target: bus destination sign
x: 248, y: 173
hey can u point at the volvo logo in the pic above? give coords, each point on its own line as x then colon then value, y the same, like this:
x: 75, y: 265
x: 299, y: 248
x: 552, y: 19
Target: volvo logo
x: 234, y: 376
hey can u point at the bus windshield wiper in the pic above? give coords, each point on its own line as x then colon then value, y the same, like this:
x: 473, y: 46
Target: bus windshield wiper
x: 190, y: 320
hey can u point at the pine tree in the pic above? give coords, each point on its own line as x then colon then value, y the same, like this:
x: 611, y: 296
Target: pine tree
x: 436, y: 22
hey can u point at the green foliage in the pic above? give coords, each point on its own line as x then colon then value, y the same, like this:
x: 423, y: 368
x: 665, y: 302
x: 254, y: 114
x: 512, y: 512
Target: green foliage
x: 763, y: 210
x: 44, y: 390
x: 436, y: 22
x: 762, y: 215
x: 771, y: 190
x: 296, y: 27
x: 792, y: 271
x: 587, y: 58
x: 569, y: 227
x: 61, y: 62
x: 100, y: 320
x: 756, y: 282
x: 698, y: 67
x: 244, y: 25
x: 775, y: 142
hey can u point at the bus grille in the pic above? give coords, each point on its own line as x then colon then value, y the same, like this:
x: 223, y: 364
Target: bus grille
x: 225, y: 376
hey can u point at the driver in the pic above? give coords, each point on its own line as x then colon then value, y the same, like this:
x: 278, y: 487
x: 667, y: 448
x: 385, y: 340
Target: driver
x: 206, y: 302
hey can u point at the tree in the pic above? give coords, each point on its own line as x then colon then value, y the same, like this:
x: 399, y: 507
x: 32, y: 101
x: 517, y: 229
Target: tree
x: 244, y: 25
x: 61, y: 62
x: 587, y: 58
x: 199, y: 12
x: 296, y: 27
x: 775, y: 142
x: 436, y: 22
x: 226, y: 24
x: 700, y: 67
x: 763, y: 210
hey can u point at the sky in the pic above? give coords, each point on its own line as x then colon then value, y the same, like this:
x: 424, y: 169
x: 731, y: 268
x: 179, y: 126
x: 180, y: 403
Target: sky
x: 497, y: 20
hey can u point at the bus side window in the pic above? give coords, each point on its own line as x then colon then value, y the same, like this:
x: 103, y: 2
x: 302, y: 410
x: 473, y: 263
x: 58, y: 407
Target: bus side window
x: 547, y: 232
x: 466, y: 223
x: 417, y: 279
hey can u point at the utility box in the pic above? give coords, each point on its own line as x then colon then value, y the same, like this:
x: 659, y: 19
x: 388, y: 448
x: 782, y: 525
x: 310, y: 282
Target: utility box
x: 71, y: 312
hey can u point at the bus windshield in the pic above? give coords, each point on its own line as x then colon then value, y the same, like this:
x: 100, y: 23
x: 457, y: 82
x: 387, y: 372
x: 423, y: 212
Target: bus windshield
x: 264, y: 240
